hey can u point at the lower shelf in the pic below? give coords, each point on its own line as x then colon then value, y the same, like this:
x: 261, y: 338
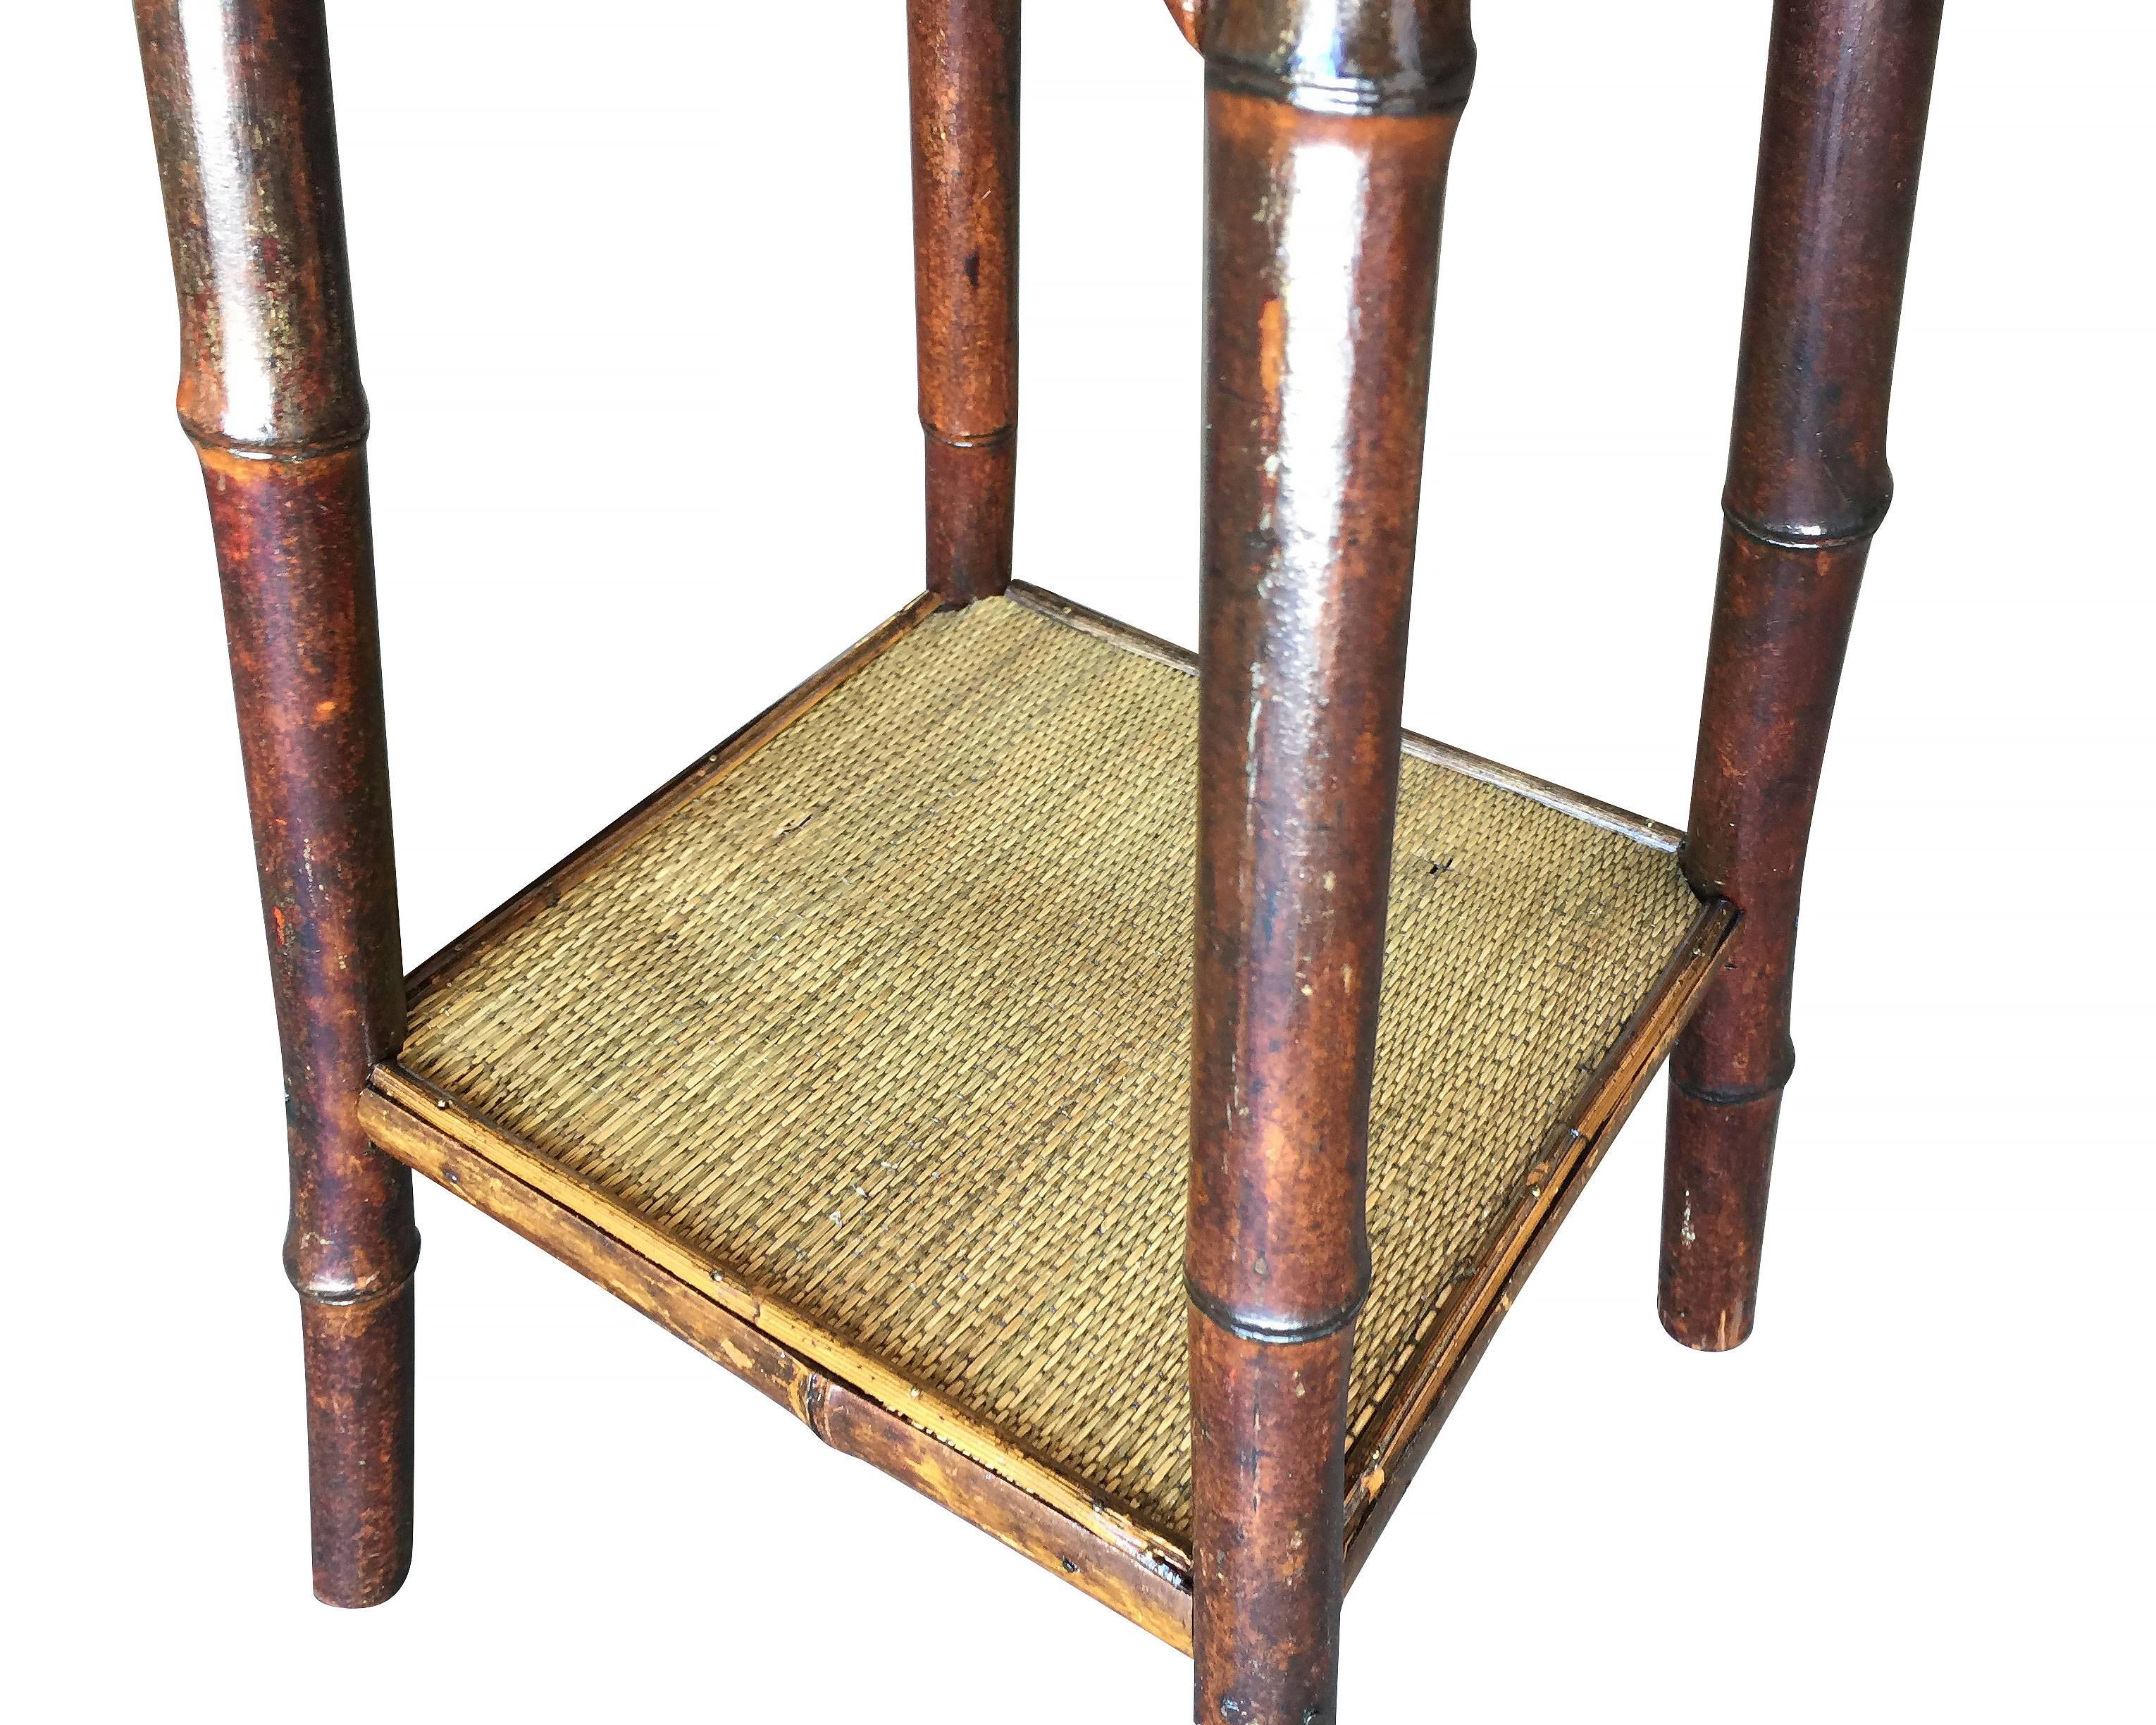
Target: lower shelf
x: 858, y: 1056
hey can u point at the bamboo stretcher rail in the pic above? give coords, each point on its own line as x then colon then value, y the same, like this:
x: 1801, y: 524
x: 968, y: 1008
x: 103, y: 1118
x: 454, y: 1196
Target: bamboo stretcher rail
x: 1380, y: 1465
x: 798, y: 1334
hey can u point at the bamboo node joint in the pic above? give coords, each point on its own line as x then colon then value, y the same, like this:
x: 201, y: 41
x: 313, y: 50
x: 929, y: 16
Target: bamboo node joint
x: 207, y: 437
x: 1316, y: 1329
x: 1811, y: 536
x: 1347, y: 97
x: 362, y: 1290
x: 1736, y: 1095
x: 994, y: 439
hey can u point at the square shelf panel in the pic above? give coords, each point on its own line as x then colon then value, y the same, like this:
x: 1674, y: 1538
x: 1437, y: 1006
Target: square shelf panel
x: 871, y: 1031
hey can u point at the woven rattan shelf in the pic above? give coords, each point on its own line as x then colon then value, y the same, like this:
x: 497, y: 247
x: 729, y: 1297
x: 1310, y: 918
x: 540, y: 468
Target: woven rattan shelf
x: 859, y: 1055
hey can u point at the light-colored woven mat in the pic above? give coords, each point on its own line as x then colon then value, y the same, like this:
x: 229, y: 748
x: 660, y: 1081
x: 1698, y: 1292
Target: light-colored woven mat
x: 892, y: 1020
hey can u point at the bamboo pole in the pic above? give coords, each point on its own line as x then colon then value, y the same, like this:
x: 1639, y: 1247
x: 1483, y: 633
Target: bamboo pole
x: 269, y: 392
x: 963, y: 66
x: 1328, y: 131
x: 1848, y: 84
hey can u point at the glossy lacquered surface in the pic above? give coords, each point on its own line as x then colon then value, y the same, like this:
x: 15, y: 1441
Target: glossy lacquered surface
x: 1328, y: 131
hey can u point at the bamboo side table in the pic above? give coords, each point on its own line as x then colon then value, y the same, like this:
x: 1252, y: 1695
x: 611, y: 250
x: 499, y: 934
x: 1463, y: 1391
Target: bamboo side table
x: 875, y: 1055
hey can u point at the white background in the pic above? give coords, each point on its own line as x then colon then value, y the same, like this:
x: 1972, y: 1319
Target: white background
x: 634, y: 300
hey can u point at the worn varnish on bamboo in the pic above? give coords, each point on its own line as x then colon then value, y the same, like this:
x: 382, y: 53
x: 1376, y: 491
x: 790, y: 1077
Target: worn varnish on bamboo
x: 1328, y: 138
x: 270, y: 395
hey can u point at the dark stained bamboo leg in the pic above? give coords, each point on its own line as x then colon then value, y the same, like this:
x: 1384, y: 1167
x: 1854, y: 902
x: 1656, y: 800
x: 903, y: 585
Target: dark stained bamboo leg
x: 239, y: 102
x: 1848, y: 84
x: 962, y: 61
x: 1327, y: 138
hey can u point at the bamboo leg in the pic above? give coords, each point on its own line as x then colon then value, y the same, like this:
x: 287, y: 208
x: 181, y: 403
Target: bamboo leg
x: 1325, y: 190
x: 239, y: 101
x: 1848, y: 83
x: 962, y: 61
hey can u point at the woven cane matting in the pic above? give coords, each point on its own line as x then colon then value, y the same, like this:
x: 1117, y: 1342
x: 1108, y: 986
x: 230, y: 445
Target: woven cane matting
x: 891, y: 1020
